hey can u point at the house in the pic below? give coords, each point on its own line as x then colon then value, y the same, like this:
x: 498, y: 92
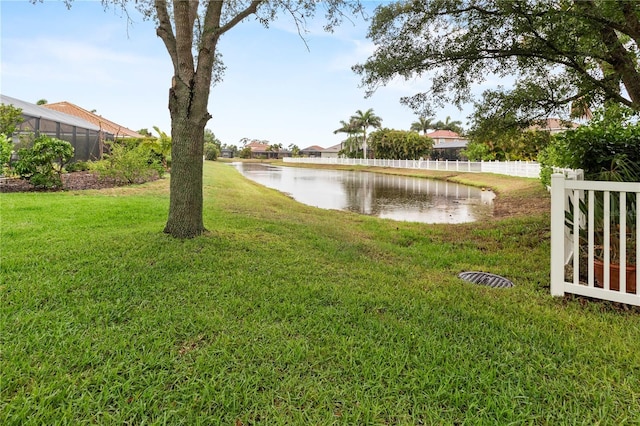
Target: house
x: 332, y: 151
x: 313, y: 151
x: 227, y: 153
x: 263, y: 150
x: 555, y: 125
x: 447, y: 145
x: 85, y: 137
x: 117, y: 130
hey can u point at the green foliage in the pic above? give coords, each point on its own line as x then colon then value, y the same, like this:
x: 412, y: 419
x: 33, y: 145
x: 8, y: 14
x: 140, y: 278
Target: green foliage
x: 6, y: 148
x: 448, y: 124
x: 42, y: 165
x: 127, y: 163
x: 512, y: 145
x: 273, y: 150
x: 355, y: 146
x: 245, y: 152
x: 399, y: 144
x: 10, y: 118
x: 478, y: 151
x: 352, y: 147
x: 162, y: 147
x: 607, y: 149
x: 423, y: 124
x: 558, y: 52
x: 295, y: 150
x: 211, y: 151
x: 78, y: 166
x: 362, y: 121
x: 210, y: 137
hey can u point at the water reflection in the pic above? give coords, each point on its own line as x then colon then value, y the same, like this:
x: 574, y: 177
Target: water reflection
x: 385, y: 196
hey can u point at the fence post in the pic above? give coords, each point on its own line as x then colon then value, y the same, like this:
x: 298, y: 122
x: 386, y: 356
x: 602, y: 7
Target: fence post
x: 557, y: 234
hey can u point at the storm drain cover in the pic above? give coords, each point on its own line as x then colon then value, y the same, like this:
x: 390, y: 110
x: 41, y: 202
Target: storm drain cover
x: 485, y: 278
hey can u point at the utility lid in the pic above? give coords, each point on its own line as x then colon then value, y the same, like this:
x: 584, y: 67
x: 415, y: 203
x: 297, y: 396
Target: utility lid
x: 485, y: 278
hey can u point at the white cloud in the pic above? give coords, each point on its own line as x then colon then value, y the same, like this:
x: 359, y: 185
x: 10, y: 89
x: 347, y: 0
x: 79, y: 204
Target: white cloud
x: 61, y: 60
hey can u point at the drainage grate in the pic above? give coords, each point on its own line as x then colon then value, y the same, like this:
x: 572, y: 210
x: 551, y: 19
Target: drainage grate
x: 485, y: 278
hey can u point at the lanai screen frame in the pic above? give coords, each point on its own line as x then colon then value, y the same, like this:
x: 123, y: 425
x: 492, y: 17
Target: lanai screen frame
x: 86, y: 138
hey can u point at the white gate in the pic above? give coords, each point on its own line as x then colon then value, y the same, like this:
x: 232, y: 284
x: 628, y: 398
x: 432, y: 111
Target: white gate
x: 596, y: 224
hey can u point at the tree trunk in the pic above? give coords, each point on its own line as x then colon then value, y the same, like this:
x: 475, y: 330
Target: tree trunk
x: 185, y: 201
x: 189, y: 117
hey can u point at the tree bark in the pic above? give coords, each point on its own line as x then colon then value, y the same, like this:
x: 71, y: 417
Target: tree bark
x: 186, y: 198
x: 188, y: 98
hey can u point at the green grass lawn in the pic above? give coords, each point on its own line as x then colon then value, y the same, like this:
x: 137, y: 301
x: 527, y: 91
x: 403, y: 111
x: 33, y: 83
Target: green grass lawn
x: 287, y: 314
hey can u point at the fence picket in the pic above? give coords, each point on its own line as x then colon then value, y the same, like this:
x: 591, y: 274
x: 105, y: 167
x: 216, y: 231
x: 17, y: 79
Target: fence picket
x: 560, y: 189
x: 528, y: 169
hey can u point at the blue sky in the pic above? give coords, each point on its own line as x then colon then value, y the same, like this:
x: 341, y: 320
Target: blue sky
x: 273, y: 88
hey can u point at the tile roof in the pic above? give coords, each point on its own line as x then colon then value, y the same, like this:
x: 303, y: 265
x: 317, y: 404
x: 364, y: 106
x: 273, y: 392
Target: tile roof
x: 555, y: 125
x: 443, y: 134
x: 335, y: 148
x: 107, y: 125
x: 257, y: 146
x: 313, y: 148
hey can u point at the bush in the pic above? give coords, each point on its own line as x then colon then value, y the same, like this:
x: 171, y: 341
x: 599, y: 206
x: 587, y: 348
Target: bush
x: 128, y: 164
x: 6, y: 147
x: 10, y: 119
x: 42, y: 164
x: 399, y: 144
x: 245, y: 152
x: 211, y: 151
x: 77, y: 166
x: 607, y: 149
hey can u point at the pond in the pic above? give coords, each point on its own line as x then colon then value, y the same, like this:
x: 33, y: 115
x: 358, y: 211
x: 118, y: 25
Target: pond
x: 386, y: 196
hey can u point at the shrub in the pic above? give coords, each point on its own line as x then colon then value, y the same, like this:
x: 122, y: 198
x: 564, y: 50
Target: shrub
x: 211, y: 151
x: 128, y: 164
x: 42, y: 164
x: 607, y: 149
x: 399, y: 144
x: 245, y: 152
x: 6, y: 147
x: 10, y: 119
x: 77, y: 166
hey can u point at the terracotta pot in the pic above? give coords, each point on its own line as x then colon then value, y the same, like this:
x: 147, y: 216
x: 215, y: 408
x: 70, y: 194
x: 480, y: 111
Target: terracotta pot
x: 614, y: 276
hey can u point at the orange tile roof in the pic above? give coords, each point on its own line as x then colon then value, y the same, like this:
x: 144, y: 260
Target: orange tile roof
x: 313, y: 148
x: 257, y: 146
x: 107, y: 125
x: 443, y: 134
x: 555, y: 125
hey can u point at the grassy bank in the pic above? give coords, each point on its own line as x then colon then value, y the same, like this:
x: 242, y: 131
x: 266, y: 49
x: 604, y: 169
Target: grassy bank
x: 287, y: 314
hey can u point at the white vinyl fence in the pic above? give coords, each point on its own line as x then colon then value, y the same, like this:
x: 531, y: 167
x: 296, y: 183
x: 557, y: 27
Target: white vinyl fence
x: 586, y: 226
x: 529, y: 169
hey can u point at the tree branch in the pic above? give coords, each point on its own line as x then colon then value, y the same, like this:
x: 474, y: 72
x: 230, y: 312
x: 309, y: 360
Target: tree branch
x: 251, y: 9
x: 165, y: 30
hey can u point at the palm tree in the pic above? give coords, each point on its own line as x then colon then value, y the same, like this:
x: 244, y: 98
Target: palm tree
x: 275, y: 147
x: 352, y: 129
x: 364, y: 120
x: 295, y: 150
x: 454, y: 126
x: 422, y: 125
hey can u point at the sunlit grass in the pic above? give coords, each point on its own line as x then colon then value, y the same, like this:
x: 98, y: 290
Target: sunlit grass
x: 288, y: 314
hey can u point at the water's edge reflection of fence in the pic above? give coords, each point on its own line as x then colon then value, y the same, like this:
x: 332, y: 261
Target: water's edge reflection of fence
x: 529, y: 169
